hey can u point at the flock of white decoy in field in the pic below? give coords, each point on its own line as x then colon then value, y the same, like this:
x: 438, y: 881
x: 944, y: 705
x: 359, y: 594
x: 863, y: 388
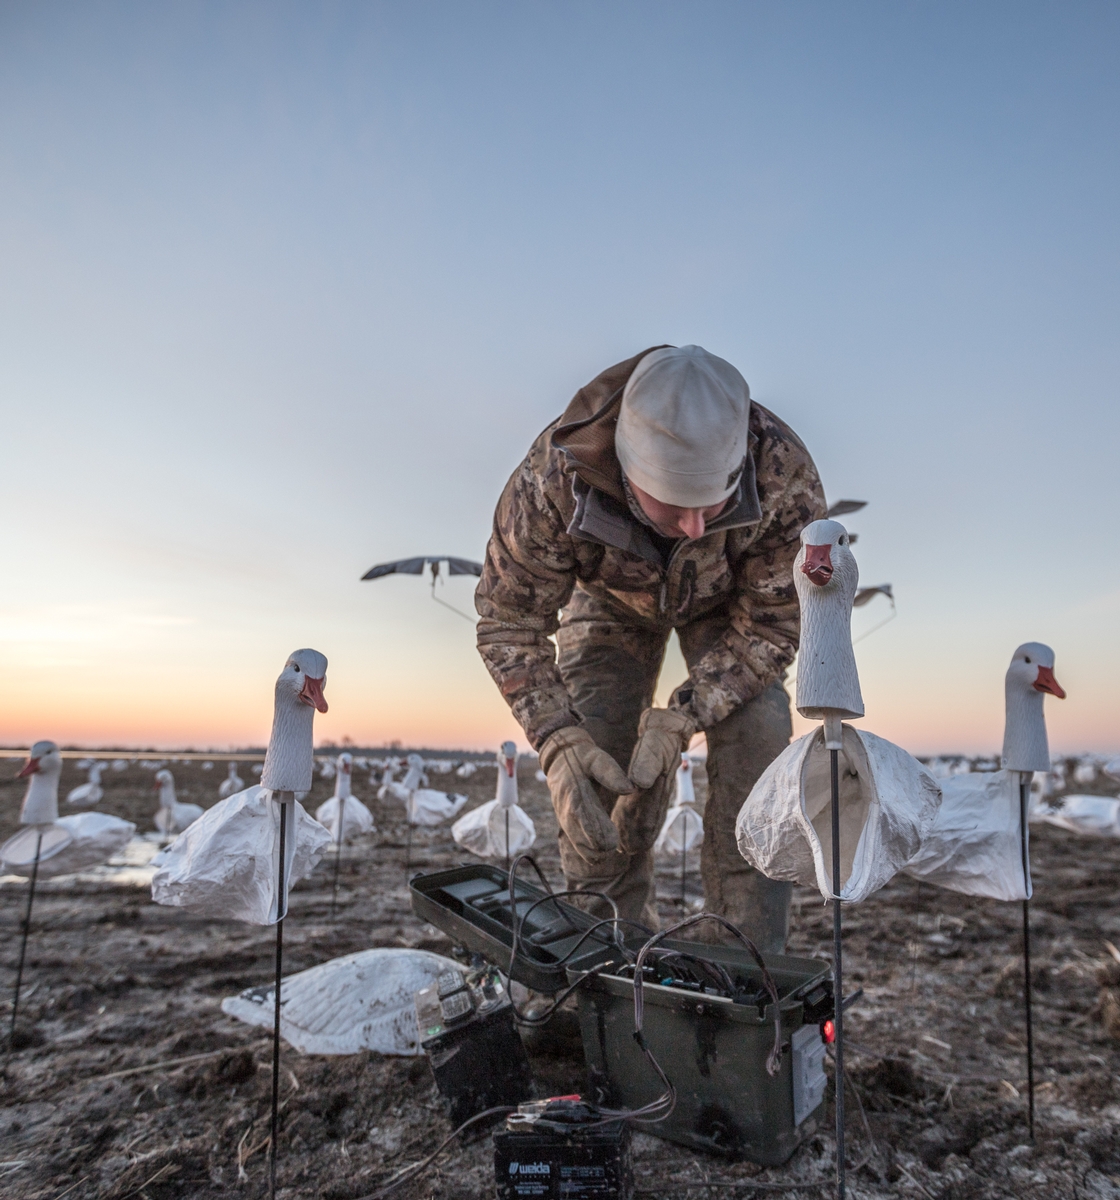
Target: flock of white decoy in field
x: 952, y: 827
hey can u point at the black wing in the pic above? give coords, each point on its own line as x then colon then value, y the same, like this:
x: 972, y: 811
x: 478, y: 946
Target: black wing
x: 842, y: 507
x: 403, y: 566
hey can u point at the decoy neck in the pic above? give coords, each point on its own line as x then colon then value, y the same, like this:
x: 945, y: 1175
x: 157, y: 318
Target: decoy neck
x: 42, y: 771
x: 290, y: 759
x: 1029, y: 677
x: 165, y: 785
x: 507, y: 775
x: 344, y: 767
x: 825, y: 576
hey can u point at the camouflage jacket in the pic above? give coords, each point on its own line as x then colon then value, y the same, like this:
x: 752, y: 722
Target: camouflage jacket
x: 563, y: 523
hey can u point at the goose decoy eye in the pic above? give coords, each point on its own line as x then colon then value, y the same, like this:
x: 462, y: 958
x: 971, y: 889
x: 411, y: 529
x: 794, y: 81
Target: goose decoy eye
x: 296, y: 665
x: 1027, y: 659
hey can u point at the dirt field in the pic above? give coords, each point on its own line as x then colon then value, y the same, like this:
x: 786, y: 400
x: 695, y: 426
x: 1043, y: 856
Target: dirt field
x: 95, y: 1103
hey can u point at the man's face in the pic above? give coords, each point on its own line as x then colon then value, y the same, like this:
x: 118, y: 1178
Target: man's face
x: 674, y: 521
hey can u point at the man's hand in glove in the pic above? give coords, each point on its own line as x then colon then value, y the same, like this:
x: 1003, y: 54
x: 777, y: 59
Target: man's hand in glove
x: 573, y: 763
x: 663, y: 735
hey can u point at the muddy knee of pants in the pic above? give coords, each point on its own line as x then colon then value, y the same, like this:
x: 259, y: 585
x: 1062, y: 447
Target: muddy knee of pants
x: 626, y: 878
x: 740, y: 748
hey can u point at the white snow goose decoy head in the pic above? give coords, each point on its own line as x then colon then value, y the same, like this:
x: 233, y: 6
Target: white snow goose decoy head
x: 290, y: 759
x: 825, y: 576
x: 1029, y: 677
x: 507, y: 775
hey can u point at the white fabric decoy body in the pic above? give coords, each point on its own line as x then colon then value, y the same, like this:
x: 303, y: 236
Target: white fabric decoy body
x: 888, y: 800
x: 232, y: 783
x: 225, y: 864
x: 90, y: 793
x: 683, y: 827
x: 363, y: 1001
x: 68, y: 844
x: 344, y: 814
x: 976, y: 843
x: 482, y: 831
x: 1090, y: 816
x: 173, y: 816
x: 424, y: 805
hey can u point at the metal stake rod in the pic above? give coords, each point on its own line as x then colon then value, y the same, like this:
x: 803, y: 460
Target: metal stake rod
x: 337, y: 860
x: 408, y: 849
x: 837, y: 974
x: 276, y: 1008
x: 23, y: 941
x: 507, y: 839
x: 1024, y: 796
x: 684, y: 863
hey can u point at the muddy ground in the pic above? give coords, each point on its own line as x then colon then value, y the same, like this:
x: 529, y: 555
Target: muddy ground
x: 96, y: 1101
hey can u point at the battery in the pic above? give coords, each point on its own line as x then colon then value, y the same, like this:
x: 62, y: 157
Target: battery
x: 467, y: 1030
x: 575, y: 1157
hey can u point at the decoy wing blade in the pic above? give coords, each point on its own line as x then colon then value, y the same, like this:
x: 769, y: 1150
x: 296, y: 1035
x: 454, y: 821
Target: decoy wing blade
x: 403, y: 566
x: 843, y: 507
x: 463, y: 566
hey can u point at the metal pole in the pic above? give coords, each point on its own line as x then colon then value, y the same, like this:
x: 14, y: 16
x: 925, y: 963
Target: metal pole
x: 507, y: 839
x: 1024, y: 796
x: 684, y: 863
x: 337, y: 860
x: 276, y: 1008
x: 837, y: 973
x: 408, y: 850
x: 23, y: 941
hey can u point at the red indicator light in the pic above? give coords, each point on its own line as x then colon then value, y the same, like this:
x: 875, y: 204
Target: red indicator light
x: 828, y: 1032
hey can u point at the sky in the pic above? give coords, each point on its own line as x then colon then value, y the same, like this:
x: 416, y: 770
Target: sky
x: 289, y: 289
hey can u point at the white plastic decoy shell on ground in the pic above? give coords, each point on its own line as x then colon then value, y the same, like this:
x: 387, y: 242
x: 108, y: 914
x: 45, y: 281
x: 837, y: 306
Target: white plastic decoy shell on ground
x: 225, y: 864
x: 974, y: 846
x: 888, y: 801
x: 363, y: 1001
x: 1091, y: 816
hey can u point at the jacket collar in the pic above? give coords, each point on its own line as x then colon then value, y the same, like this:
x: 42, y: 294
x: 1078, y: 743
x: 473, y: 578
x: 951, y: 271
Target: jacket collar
x: 600, y: 518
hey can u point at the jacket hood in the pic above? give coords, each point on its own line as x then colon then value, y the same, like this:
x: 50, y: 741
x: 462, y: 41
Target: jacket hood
x: 586, y: 430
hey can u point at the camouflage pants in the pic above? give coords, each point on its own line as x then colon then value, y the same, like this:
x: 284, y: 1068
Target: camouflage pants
x: 610, y: 668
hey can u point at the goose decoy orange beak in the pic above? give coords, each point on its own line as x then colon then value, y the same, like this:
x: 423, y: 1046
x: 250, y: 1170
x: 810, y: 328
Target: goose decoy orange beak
x: 818, y: 564
x: 31, y: 767
x: 312, y: 693
x: 1045, y: 682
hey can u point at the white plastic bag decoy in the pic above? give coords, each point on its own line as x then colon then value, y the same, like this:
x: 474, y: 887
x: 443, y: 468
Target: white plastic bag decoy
x: 364, y: 1001
x: 975, y: 846
x: 483, y: 830
x: 1091, y: 816
x: 887, y: 803
x: 225, y: 864
x: 426, y: 806
x: 683, y: 827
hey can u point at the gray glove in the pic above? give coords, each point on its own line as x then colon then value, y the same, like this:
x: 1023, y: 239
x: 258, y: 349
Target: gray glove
x: 663, y: 735
x: 573, y: 763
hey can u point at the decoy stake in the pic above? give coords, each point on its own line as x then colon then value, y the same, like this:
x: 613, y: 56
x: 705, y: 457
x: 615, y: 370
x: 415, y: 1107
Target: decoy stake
x: 1024, y: 799
x: 23, y: 942
x: 833, y: 740
x: 286, y: 801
